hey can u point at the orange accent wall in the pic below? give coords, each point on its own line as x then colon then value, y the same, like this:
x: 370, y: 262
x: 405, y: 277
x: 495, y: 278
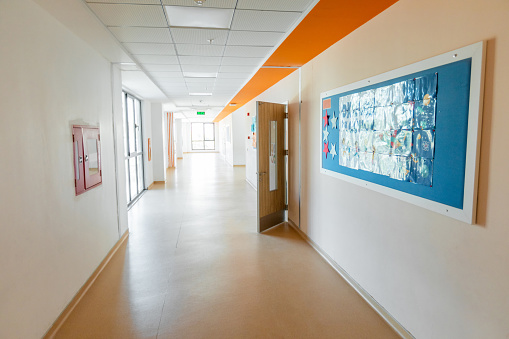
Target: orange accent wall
x: 327, y: 23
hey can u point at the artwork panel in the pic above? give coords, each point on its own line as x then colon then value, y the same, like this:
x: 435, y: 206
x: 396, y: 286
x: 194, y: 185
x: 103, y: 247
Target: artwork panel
x: 355, y: 101
x: 422, y: 171
x: 367, y: 99
x: 404, y: 115
x: 383, y: 96
x: 401, y: 142
x: 424, y: 144
x: 366, y: 119
x: 382, y: 142
x: 426, y: 87
x: 366, y: 141
x: 379, y: 118
x: 401, y: 169
x: 424, y: 114
x: 366, y: 161
x: 355, y: 120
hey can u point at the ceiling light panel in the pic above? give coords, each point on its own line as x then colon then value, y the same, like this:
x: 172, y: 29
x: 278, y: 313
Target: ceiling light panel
x: 199, y: 36
x: 267, y: 21
x: 129, y: 15
x: 271, y: 5
x: 244, y: 38
x: 237, y: 69
x: 161, y: 68
x: 201, y: 80
x: 142, y: 34
x: 200, y: 60
x: 198, y: 16
x: 157, y: 59
x: 150, y: 48
x: 208, y: 3
x: 247, y: 51
x: 204, y: 50
x: 168, y: 75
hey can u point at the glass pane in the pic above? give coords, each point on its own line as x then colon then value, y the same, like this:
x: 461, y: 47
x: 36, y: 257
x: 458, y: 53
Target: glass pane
x: 126, y: 144
x: 197, y: 131
x: 209, y: 131
x: 198, y: 145
x: 140, y: 173
x: 130, y: 124
x: 76, y: 161
x: 93, y: 159
x: 137, y: 121
x: 273, y: 156
x: 127, y: 180
x: 209, y: 145
x: 132, y: 176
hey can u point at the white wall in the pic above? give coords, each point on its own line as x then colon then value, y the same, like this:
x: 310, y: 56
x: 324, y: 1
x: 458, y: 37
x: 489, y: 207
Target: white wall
x: 238, y: 136
x: 225, y: 141
x: 158, y: 142
x: 440, y: 278
x: 180, y: 141
x: 51, y: 241
x: 146, y: 111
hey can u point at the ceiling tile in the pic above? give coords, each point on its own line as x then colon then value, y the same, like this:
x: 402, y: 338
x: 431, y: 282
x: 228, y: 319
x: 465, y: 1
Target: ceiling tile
x: 141, y: 34
x: 237, y: 61
x: 237, y: 69
x: 199, y: 36
x: 150, y: 48
x: 130, y: 15
x: 161, y: 68
x: 208, y: 3
x: 200, y: 68
x: 140, y: 2
x: 204, y: 50
x: 271, y: 5
x: 233, y: 76
x: 199, y: 60
x: 201, y: 80
x: 248, y: 38
x: 157, y: 59
x: 267, y: 21
x: 247, y: 51
x: 159, y: 75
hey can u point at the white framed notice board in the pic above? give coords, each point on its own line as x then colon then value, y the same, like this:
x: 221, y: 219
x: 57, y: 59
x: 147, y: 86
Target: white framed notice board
x: 412, y: 133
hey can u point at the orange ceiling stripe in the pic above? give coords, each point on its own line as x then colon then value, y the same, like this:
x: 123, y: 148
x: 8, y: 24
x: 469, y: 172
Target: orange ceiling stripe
x: 327, y: 23
x: 263, y: 79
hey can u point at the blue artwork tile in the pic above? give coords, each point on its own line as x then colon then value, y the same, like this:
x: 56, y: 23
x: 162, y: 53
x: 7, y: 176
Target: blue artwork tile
x: 401, y: 168
x: 398, y: 93
x: 366, y: 161
x: 383, y: 96
x: 426, y: 86
x: 366, y: 119
x: 401, y: 142
x: 390, y: 118
x: 421, y: 171
x: 424, y: 114
x: 382, y: 142
x: 366, y: 141
x: 344, y: 103
x: 409, y: 90
x: 367, y: 99
x: 355, y: 120
x: 404, y: 115
x: 379, y: 118
x: 355, y: 101
x: 424, y: 144
x: 344, y: 121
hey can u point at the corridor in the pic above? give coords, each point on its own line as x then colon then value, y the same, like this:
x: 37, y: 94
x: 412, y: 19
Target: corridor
x: 194, y: 267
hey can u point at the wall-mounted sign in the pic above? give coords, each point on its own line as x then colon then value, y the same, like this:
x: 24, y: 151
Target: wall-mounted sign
x: 200, y: 113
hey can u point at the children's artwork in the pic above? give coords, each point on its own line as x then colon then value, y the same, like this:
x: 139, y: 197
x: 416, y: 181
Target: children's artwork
x: 387, y: 130
x: 411, y: 133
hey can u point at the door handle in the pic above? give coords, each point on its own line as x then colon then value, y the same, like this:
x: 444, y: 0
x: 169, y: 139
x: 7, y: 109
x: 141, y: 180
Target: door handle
x: 261, y: 173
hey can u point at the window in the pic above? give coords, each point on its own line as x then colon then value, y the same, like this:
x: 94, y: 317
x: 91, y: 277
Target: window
x: 133, y: 146
x: 203, y: 136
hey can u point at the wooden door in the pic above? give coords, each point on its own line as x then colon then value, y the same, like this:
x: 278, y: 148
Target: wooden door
x: 270, y: 129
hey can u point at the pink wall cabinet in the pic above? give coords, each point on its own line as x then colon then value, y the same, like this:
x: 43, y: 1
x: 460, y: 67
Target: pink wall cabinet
x: 87, y: 158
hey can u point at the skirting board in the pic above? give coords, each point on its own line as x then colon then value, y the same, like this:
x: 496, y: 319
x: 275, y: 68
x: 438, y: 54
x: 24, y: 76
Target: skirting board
x: 83, y: 290
x: 356, y: 286
x: 251, y: 184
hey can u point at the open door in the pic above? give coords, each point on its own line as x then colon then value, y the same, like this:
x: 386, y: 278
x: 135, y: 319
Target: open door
x: 270, y: 137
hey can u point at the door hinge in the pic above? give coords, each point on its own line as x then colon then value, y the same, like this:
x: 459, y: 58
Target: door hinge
x: 286, y: 152
x: 286, y: 207
x: 75, y: 183
x: 99, y: 137
x: 286, y: 115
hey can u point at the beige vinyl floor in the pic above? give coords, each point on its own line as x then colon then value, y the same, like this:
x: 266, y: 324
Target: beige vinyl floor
x: 195, y: 267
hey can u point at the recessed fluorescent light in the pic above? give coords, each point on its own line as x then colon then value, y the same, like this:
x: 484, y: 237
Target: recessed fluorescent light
x: 202, y: 94
x: 199, y: 17
x: 199, y: 75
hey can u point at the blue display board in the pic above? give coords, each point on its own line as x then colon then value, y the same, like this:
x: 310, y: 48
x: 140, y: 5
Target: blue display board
x: 425, y: 146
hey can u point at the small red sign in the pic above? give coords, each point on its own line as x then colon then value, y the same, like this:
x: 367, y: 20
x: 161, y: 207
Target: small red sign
x: 326, y: 104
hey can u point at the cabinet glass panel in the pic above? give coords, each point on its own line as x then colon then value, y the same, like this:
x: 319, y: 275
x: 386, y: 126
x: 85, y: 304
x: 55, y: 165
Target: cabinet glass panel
x: 93, y: 159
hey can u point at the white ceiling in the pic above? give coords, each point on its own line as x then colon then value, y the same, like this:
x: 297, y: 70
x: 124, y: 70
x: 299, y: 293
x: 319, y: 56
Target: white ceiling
x: 162, y: 53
